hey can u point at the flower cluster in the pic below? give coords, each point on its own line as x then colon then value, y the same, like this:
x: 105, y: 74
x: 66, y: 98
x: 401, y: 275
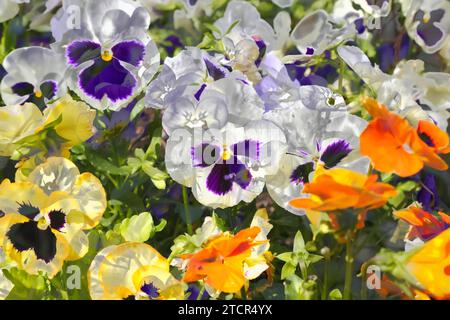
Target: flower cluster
x: 224, y: 149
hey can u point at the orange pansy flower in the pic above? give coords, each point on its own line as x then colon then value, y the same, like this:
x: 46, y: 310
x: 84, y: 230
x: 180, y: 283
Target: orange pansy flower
x: 430, y: 265
x: 424, y: 225
x: 338, y: 189
x: 394, y: 146
x: 221, y: 263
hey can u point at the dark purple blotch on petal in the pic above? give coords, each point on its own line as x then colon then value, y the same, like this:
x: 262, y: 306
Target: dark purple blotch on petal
x: 57, y: 219
x: 262, y: 51
x: 215, y: 71
x: 335, y: 152
x: 222, y: 176
x: 131, y: 52
x: 28, y: 210
x: 301, y: 173
x: 199, y: 92
x: 27, y: 236
x: 107, y: 78
x: 23, y: 89
x: 49, y: 89
x: 150, y: 290
x: 79, y: 52
x: 359, y: 25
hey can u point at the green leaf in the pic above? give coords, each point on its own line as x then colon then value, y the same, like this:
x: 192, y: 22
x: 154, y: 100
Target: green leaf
x: 286, y: 256
x: 161, y: 225
x: 299, y: 243
x: 288, y: 270
x: 335, y: 294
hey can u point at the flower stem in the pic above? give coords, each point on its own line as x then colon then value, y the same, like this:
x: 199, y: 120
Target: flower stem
x: 325, y: 279
x: 200, y: 293
x: 187, y: 212
x: 348, y: 266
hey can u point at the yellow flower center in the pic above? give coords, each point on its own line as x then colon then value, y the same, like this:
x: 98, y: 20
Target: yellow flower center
x: 226, y: 154
x: 38, y: 94
x: 42, y: 223
x: 107, y: 55
x: 426, y: 18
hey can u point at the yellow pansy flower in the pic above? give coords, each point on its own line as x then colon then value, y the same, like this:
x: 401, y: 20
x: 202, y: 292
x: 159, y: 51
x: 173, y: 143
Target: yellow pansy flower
x: 44, y: 216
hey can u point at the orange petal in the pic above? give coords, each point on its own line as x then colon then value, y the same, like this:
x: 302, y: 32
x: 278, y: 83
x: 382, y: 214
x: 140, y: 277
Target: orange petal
x: 438, y: 138
x: 386, y: 141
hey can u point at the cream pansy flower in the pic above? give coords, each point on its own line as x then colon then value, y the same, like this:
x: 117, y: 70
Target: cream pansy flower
x: 132, y: 270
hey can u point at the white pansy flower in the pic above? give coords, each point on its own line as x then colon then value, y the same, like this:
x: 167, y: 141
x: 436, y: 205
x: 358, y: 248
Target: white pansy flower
x: 34, y: 74
x: 317, y: 135
x: 410, y: 91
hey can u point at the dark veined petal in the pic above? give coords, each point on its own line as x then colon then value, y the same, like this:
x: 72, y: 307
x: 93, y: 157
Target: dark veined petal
x: 79, y: 52
x: 129, y: 51
x: 27, y: 235
x: 57, y: 219
x: 107, y: 78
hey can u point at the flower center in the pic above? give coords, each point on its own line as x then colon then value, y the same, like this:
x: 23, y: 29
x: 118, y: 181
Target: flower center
x: 107, y: 55
x: 42, y: 223
x: 426, y: 17
x: 226, y: 154
x: 38, y: 93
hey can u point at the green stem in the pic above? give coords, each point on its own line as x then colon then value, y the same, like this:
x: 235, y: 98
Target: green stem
x: 364, y: 281
x: 348, y: 267
x: 187, y: 212
x: 341, y: 75
x: 243, y: 293
x: 200, y: 293
x: 325, y: 279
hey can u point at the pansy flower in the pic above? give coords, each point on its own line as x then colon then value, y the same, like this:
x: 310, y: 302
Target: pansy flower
x: 190, y: 68
x: 338, y: 189
x: 423, y: 225
x: 34, y: 74
x: 430, y: 265
x: 110, y: 55
x: 225, y: 261
x: 427, y: 22
x: 45, y: 216
x: 226, y: 166
x: 20, y: 125
x: 328, y: 139
x: 394, y: 146
x: 247, y: 23
x: 410, y: 91
x: 317, y: 32
x: 132, y: 271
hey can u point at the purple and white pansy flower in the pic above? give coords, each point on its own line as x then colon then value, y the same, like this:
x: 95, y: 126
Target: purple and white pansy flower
x: 34, y: 74
x: 228, y: 165
x: 110, y: 55
x: 427, y: 22
x: 316, y: 136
